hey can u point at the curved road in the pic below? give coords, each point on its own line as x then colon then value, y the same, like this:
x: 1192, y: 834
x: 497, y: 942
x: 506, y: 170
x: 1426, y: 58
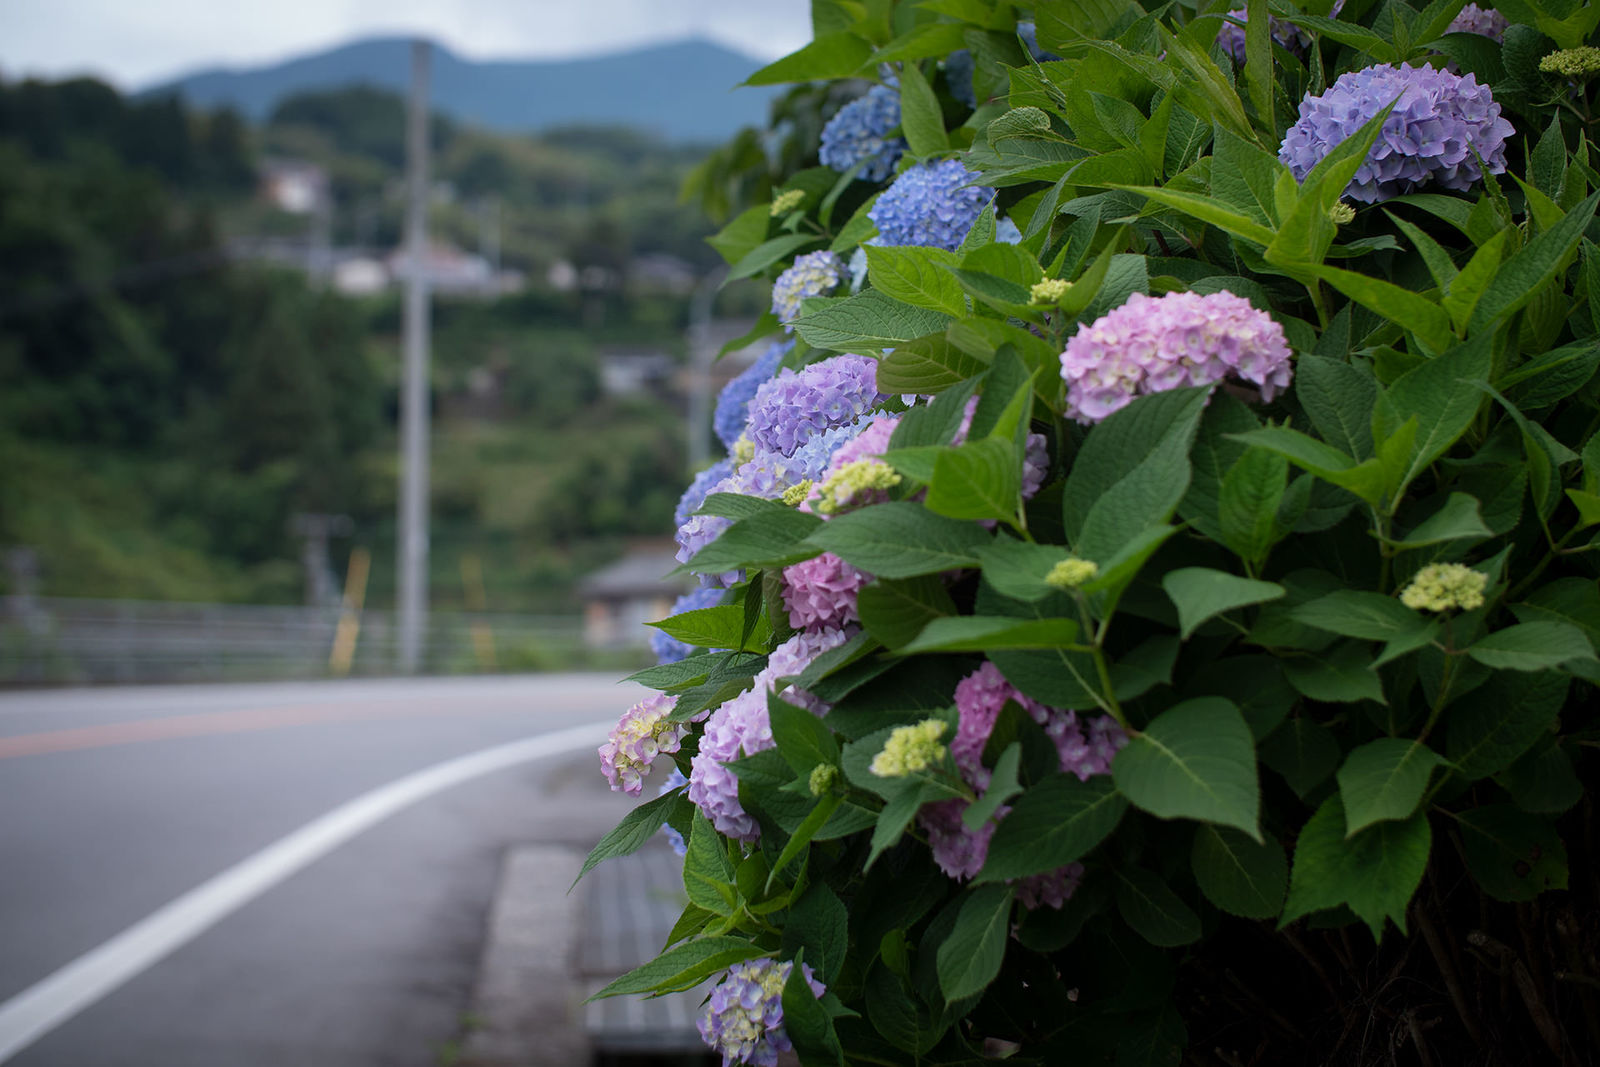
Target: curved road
x: 114, y: 803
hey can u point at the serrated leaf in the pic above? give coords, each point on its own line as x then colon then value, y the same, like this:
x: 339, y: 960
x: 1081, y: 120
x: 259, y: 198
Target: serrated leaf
x: 683, y: 966
x: 1200, y: 593
x: 970, y: 958
x: 1356, y: 613
x: 1304, y: 752
x: 917, y: 276
x: 1458, y: 520
x: 1532, y: 646
x: 1194, y: 761
x: 1238, y: 875
x: 980, y: 633
x: 1342, y: 675
x: 901, y: 540
x: 1384, y: 779
x: 1374, y: 873
x: 1153, y: 910
x: 630, y: 835
x: 1514, y: 856
x: 868, y: 321
x: 1058, y: 821
x: 895, y: 611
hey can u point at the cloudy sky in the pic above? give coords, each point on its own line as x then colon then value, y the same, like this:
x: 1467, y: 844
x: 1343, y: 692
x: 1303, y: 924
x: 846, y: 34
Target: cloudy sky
x: 138, y: 42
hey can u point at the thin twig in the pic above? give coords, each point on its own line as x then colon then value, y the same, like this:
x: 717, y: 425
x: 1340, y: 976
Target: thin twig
x: 1447, y: 971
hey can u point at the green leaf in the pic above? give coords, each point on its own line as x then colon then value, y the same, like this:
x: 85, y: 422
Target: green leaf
x: 718, y: 627
x: 807, y: 1022
x: 1200, y: 593
x: 920, y: 117
x: 869, y: 320
x: 917, y: 276
x: 901, y: 540
x: 1131, y: 472
x: 1238, y: 875
x: 1497, y: 722
x: 829, y: 55
x: 1464, y: 292
x: 630, y: 835
x: 1258, y: 66
x: 1323, y: 460
x: 1339, y: 397
x: 1532, y: 646
x: 683, y: 966
x: 1247, y: 506
x: 769, y: 538
x: 1384, y: 779
x: 981, y: 633
x: 818, y: 922
x: 769, y: 252
x: 1304, y: 752
x: 801, y: 839
x: 1342, y: 675
x: 1374, y: 873
x: 1355, y: 613
x: 801, y: 738
x: 1525, y: 273
x: 1442, y: 395
x: 927, y: 365
x: 1057, y: 822
x: 1017, y: 569
x: 896, y: 610
x: 737, y: 506
x: 707, y: 872
x: 1459, y: 520
x: 1002, y: 787
x: 1421, y: 315
x: 969, y: 959
x: 1543, y: 780
x: 978, y: 480
x: 1194, y: 761
x: 1513, y: 855
x: 1207, y: 210
x: 1153, y: 910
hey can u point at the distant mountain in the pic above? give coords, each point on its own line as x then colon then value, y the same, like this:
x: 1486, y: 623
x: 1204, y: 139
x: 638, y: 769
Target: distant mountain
x: 682, y: 91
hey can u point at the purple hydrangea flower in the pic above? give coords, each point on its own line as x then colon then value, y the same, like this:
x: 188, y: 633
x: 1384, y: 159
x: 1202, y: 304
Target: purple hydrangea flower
x: 1085, y: 748
x: 813, y: 274
x: 701, y: 488
x: 1051, y: 889
x: 740, y: 726
x: 1484, y: 21
x: 1286, y: 34
x: 643, y: 733
x: 859, y: 131
x: 733, y: 403
x: 932, y: 204
x: 1035, y: 464
x: 1439, y: 118
x: 821, y: 592
x: 697, y: 532
x: 959, y: 851
x: 1151, y: 344
x: 788, y: 410
x: 743, y: 1020
x: 669, y: 649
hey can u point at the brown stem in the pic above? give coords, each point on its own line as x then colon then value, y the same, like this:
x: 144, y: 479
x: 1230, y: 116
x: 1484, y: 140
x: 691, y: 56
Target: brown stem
x: 1447, y: 971
x: 1316, y: 965
x: 1423, y: 1052
x: 1549, y: 1032
x: 1266, y: 1009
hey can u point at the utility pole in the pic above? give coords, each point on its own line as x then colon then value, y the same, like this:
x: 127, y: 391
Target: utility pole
x: 412, y: 557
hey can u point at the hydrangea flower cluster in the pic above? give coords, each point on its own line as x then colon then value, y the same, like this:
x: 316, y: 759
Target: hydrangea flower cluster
x: 1445, y: 587
x: 740, y: 726
x: 669, y: 649
x: 675, y: 841
x: 1151, y: 344
x: 1051, y: 889
x: 1284, y: 33
x: 702, y: 487
x: 960, y: 852
x: 733, y: 403
x: 743, y: 1020
x: 910, y: 749
x: 932, y: 204
x: 643, y: 733
x: 813, y: 274
x: 1439, y: 120
x: 1484, y: 21
x: 821, y: 592
x: 790, y: 409
x: 860, y: 131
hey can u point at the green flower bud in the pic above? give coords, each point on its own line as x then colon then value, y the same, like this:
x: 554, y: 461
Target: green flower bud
x: 823, y: 775
x: 1443, y: 587
x: 1071, y: 573
x: 787, y: 201
x: 1572, y: 62
x: 910, y: 749
x: 1049, y: 291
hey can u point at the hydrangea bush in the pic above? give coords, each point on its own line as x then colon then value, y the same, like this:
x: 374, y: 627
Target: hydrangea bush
x: 1164, y: 632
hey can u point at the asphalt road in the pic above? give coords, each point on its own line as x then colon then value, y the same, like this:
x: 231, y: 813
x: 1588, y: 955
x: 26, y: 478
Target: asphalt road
x: 117, y: 802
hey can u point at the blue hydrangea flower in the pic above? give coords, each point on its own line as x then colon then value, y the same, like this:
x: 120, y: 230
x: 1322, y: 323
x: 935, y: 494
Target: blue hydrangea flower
x: 958, y: 70
x: 733, y: 403
x: 1438, y: 119
x: 675, y: 841
x: 743, y: 1020
x: 788, y: 410
x: 813, y: 274
x: 859, y: 131
x: 932, y: 204
x: 1286, y: 34
x: 1030, y: 37
x: 669, y: 649
x: 701, y: 488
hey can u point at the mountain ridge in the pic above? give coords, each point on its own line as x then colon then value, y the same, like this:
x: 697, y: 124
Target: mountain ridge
x: 680, y: 90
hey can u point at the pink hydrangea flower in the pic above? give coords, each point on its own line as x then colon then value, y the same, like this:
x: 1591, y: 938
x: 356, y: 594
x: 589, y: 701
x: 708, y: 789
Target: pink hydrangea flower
x: 643, y: 733
x: 821, y: 592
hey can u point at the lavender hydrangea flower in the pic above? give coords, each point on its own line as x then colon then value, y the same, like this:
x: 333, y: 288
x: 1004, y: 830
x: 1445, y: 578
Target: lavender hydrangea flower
x: 700, y: 488
x: 860, y: 131
x: 1151, y: 344
x: 813, y: 274
x: 643, y: 733
x: 697, y: 532
x: 1439, y: 119
x: 1484, y: 21
x: 958, y: 850
x: 932, y: 204
x: 1051, y: 889
x: 733, y: 403
x: 743, y: 1020
x: 1284, y: 33
x: 791, y: 408
x: 1084, y: 747
x: 740, y: 726
x: 821, y: 592
x: 669, y: 649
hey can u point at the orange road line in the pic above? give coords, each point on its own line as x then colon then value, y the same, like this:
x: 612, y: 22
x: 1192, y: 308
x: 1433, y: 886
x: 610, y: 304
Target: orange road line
x: 202, y: 725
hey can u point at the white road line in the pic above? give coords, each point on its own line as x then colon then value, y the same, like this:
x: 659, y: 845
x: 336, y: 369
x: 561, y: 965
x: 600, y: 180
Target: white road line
x: 46, y: 1005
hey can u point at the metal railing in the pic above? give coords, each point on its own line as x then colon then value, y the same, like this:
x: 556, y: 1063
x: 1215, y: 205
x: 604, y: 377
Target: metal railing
x: 46, y: 640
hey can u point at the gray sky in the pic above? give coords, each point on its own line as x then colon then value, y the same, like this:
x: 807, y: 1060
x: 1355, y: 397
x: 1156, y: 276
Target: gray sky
x: 137, y: 42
